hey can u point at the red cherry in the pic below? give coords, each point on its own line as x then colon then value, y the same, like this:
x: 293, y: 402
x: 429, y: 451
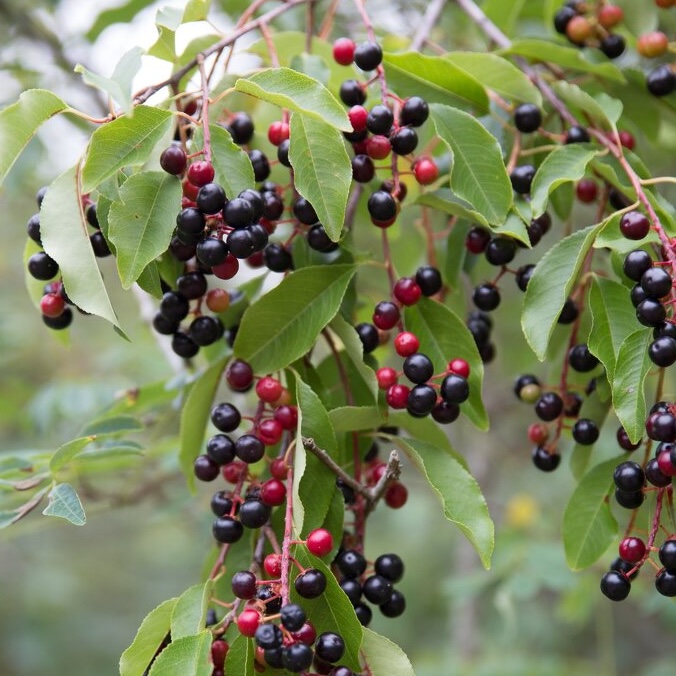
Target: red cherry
x: 459, y: 366
x: 270, y: 432
x: 273, y: 492
x: 218, y: 300
x: 627, y: 140
x: 586, y: 190
x: 279, y: 469
x: 227, y: 269
x: 406, y: 344
x: 239, y: 375
x: 396, y: 495
x: 319, y: 542
x: 425, y: 170
x: 234, y: 471
x: 376, y: 472
x: 269, y: 389
x: 538, y: 433
x: 386, y: 377
x: 277, y: 132
x: 200, y: 173
x: 378, y: 147
x: 307, y: 634
x: 397, y: 396
x: 248, y: 621
x: 273, y: 565
x: 407, y: 291
x: 358, y: 115
x: 173, y: 160
x: 343, y: 51
x: 256, y: 260
x: 632, y: 549
x: 219, y: 649
x: 652, y: 44
x: 665, y: 465
x: 52, y: 305
x: 287, y: 416
x: 634, y: 225
x: 189, y: 190
x: 610, y: 15
x: 477, y: 240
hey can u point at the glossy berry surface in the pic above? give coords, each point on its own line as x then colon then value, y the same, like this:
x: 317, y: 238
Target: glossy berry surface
x: 226, y: 529
x: 310, y: 584
x: 629, y: 476
x: 407, y: 291
x: 414, y: 111
x: 225, y: 417
x: 418, y: 368
x: 549, y: 406
x: 368, y: 55
x: 425, y: 170
x: 632, y: 549
x: 173, y: 160
x: 368, y: 334
x: 386, y: 315
x: 661, y: 81
x: 634, y: 225
x: 330, y: 647
x: 521, y: 178
x: 389, y: 566
x: 406, y: 343
x: 615, y: 585
x: 545, y: 460
x: 454, y: 389
x: 319, y: 542
x: 527, y: 118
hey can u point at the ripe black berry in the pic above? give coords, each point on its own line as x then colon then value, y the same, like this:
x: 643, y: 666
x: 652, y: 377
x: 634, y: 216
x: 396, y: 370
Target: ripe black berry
x: 211, y: 251
x: 183, y: 345
x: 42, y: 267
x: 292, y: 616
x: 368, y: 55
x: 544, y: 460
x: 612, y: 45
x: 549, y: 406
x: 225, y: 417
x: 527, y: 118
x: 241, y: 243
x: 205, y: 468
x: 241, y: 127
x: 650, y: 312
x: 404, y: 141
x: 379, y: 120
x: 283, y: 153
x: 318, y: 239
x: 352, y: 93
x: 33, y: 228
x: 429, y: 280
x: 585, y: 432
x: 368, y: 334
x: 351, y: 563
x: 521, y: 178
x: 352, y: 589
x: 562, y: 18
x: 454, y: 389
x: 523, y: 275
x: 665, y: 582
x: 486, y: 296
x: 260, y: 164
x: 364, y: 613
x: 569, y: 312
x: 445, y: 413
x: 662, y: 351
x: 615, y: 585
x: 210, y: 198
x: 304, y: 211
x: 382, y: 206
x: 227, y: 530
x: 310, y: 584
x: 656, y: 282
x: 221, y: 449
x: 206, y: 330
x: 414, y: 112
x: 277, y: 258
x: 390, y: 566
x: 629, y: 476
x: 249, y: 448
x: 577, y: 135
x: 329, y: 647
x: 254, y: 513
x: 394, y: 606
x: 62, y: 321
x: 192, y: 285
x: 363, y: 169
x: 636, y: 263
x: 654, y: 474
x: 268, y: 635
x: 238, y: 212
x: 500, y: 250
x: 418, y: 368
x: 221, y: 503
x: 421, y: 400
x: 297, y: 657
x: 581, y: 359
x: 661, y: 81
x: 244, y: 584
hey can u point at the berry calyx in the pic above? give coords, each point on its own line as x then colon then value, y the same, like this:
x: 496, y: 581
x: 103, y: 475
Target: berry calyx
x: 319, y: 542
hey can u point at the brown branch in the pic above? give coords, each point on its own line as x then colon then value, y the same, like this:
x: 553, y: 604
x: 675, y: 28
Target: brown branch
x: 310, y: 445
x: 428, y: 22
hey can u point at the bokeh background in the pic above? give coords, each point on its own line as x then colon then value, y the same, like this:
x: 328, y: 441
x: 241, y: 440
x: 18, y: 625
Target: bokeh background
x: 72, y: 598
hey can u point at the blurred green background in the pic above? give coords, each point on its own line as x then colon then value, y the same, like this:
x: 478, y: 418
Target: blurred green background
x: 72, y: 598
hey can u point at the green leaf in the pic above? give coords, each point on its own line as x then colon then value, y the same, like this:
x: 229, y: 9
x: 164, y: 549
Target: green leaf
x: 142, y: 221
x: 611, y: 237
x: 639, y: 18
x: 350, y: 418
x: 539, y: 50
x: 20, y: 121
x: 603, y: 109
x: 68, y: 451
x: 354, y: 352
x: 149, y: 280
x: 444, y: 336
x: 240, y: 659
x: 195, y: 416
x: 312, y: 65
x: 444, y: 200
x: 65, y: 238
x: 190, y: 611
x: 566, y: 163
x: 119, y: 85
x: 123, y: 142
x: 296, y: 91
x: 196, y: 10
x: 232, y: 166
x: 457, y: 490
x: 313, y: 482
x: 64, y: 502
x: 478, y: 174
x: 332, y: 611
x: 613, y: 319
x: 122, y: 14
x: 497, y: 74
x: 589, y: 527
x: 548, y: 288
x: 153, y: 630
x: 631, y: 368
x: 284, y: 324
x: 383, y: 657
x: 187, y: 656
x: 436, y: 80
x: 322, y: 170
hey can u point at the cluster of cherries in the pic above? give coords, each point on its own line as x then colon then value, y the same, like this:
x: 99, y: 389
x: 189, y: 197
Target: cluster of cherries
x: 54, y: 304
x: 588, y: 24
